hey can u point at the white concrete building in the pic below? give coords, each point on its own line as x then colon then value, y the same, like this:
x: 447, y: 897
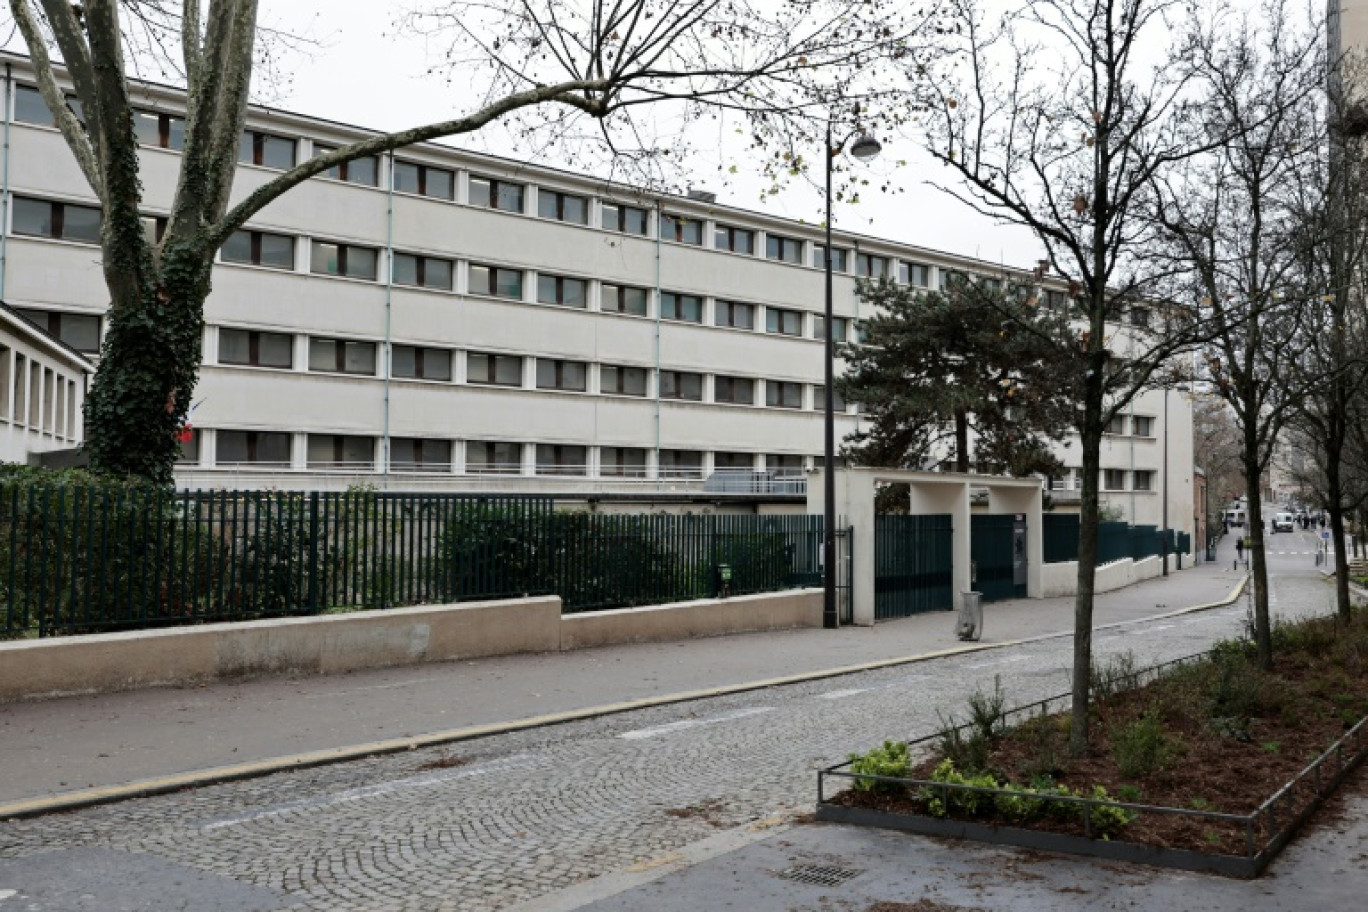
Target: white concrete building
x: 442, y: 319
x: 42, y: 389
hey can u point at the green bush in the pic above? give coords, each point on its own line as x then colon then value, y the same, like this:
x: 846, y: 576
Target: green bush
x: 1141, y: 748
x: 890, y: 759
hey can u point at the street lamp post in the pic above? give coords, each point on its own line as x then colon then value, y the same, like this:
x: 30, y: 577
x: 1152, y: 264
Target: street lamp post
x: 864, y: 149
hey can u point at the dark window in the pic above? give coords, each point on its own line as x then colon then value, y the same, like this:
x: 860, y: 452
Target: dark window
x: 951, y: 279
x: 681, y: 229
x: 871, y: 266
x: 486, y: 457
x: 1144, y: 481
x: 29, y: 107
x: 784, y: 464
x: 492, y: 193
x: 789, y: 250
x: 260, y: 248
x: 622, y: 381
x: 737, y: 240
x: 153, y: 128
x: 496, y: 281
x: 424, y: 180
x: 624, y: 299
x: 558, y: 459
x: 1055, y: 300
x: 681, y: 464
x: 341, y: 451
x: 624, y: 219
x: 1142, y: 426
x: 80, y: 331
x: 783, y: 322
x: 495, y: 370
x: 412, y: 454
x: 412, y: 362
x: 267, y: 150
x: 252, y: 448
x: 364, y: 170
x: 344, y: 260
x: 733, y: 461
x: 622, y: 462
x: 1114, y: 480
x: 838, y: 258
x: 422, y: 271
x: 571, y: 376
x: 256, y: 349
x: 681, y: 385
x: 990, y: 285
x: 783, y: 394
x: 1117, y: 425
x: 342, y: 356
x: 563, y: 207
x: 687, y: 308
x: 734, y: 314
x: 918, y: 274
x: 65, y: 221
x: 560, y: 290
x: 737, y: 390
x: 1140, y: 316
x: 842, y: 328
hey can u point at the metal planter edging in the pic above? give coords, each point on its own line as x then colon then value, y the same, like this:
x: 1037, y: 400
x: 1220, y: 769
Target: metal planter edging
x: 1114, y: 850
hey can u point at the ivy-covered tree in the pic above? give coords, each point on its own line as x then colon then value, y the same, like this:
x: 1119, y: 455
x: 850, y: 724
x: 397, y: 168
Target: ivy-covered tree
x: 574, y: 70
x: 963, y: 377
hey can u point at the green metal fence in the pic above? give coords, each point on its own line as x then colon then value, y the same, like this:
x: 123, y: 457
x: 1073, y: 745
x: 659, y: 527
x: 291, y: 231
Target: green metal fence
x: 1145, y: 541
x: 991, y: 544
x: 1113, y: 542
x: 90, y: 558
x: 912, y: 565
x: 1060, y: 537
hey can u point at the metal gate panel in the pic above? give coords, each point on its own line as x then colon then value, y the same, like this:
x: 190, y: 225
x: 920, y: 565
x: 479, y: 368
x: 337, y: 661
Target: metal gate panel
x: 998, y: 549
x: 913, y: 559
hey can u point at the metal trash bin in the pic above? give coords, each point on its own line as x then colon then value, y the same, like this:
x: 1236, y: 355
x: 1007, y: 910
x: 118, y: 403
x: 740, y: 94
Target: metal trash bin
x: 969, y: 624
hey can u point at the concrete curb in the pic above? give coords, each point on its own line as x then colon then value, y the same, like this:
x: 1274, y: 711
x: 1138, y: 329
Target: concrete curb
x: 67, y: 801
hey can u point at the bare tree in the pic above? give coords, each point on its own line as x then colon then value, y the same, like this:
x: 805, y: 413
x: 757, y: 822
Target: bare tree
x: 1058, y: 125
x: 589, y: 61
x: 1216, y: 449
x: 1232, y: 224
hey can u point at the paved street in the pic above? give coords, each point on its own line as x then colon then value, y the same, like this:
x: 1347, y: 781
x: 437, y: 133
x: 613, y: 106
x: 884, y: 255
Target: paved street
x: 531, y: 817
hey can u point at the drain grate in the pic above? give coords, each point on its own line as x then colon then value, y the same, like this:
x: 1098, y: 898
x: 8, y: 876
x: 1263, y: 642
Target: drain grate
x: 820, y: 875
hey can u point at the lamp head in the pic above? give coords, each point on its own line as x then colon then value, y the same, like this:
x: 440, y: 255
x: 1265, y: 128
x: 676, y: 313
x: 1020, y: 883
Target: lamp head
x: 865, y: 149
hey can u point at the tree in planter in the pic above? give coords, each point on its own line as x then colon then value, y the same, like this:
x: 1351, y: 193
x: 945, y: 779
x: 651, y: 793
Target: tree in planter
x: 1052, y: 123
x: 1232, y: 221
x: 596, y: 61
x: 932, y: 368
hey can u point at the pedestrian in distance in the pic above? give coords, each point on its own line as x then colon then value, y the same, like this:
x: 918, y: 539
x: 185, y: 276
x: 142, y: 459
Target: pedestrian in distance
x: 1239, y: 548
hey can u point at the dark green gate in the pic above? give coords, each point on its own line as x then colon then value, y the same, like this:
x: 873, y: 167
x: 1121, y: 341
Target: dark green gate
x: 992, y: 547
x: 913, y: 556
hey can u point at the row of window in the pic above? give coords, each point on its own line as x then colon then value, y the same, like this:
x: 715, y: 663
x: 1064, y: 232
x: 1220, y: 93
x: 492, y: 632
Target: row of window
x: 167, y: 131
x: 1112, y: 480
x: 274, y: 449
x: 258, y: 348
x: 1140, y: 425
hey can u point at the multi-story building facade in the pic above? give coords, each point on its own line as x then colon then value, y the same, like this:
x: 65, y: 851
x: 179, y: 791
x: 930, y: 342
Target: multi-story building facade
x: 442, y: 319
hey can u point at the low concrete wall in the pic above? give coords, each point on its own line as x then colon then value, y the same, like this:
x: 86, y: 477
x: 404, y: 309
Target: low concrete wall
x: 1061, y: 579
x: 683, y: 620
x: 334, y: 643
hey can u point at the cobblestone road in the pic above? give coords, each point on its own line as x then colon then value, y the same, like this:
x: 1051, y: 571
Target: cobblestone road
x: 489, y: 824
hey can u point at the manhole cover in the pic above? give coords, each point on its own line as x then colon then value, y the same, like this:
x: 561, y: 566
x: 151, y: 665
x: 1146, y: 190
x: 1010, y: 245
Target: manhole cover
x: 821, y: 875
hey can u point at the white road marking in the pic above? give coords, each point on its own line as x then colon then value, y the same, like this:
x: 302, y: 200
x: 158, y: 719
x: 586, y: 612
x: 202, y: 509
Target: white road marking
x: 841, y: 694
x: 997, y: 662
x: 682, y: 724
x: 371, y: 791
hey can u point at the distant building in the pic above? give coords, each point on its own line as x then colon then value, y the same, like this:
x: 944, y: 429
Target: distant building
x: 42, y: 390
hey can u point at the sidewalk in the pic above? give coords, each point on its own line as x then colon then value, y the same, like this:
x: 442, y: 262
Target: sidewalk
x: 160, y: 739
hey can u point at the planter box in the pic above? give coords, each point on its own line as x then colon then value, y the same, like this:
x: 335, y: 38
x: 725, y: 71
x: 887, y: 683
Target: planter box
x: 1267, y: 831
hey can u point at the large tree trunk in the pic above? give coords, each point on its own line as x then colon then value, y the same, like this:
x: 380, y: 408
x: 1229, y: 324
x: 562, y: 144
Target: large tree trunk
x: 1263, y: 629
x: 149, y: 366
x: 1091, y: 438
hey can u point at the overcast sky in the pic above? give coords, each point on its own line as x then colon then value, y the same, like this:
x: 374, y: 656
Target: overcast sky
x: 363, y: 73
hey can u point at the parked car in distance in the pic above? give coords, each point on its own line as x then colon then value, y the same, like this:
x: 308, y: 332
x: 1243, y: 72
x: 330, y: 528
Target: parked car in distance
x: 1283, y: 522
x: 1235, y: 517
